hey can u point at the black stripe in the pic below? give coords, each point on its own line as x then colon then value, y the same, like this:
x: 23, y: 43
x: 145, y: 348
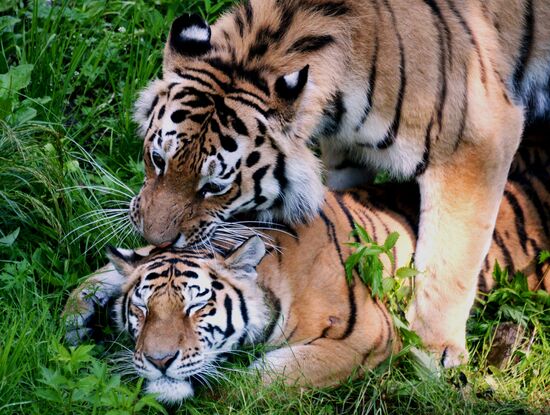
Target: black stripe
x: 351, y: 294
x: 249, y: 12
x: 372, y: 80
x: 248, y: 103
x: 519, y: 219
x: 243, y: 308
x: 394, y: 127
x: 258, y: 49
x: 228, y: 304
x: 444, y: 50
x: 525, y: 46
x: 505, y: 252
x: 279, y: 173
x: 190, y: 274
x: 190, y: 78
x: 153, y: 276
x: 179, y: 116
x: 472, y: 37
x: 275, y: 303
x: 331, y: 232
x: 334, y: 113
x: 252, y: 158
x: 239, y: 23
x: 423, y: 165
x: 534, y: 198
x: 464, y: 110
x: 347, y: 213
x: 224, y: 86
x: 352, y: 312
x: 310, y: 44
x: 363, y: 204
x: 124, y: 309
x: 331, y: 8
x: 152, y: 107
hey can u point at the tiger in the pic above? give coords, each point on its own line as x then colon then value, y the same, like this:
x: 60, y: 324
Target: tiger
x: 188, y: 307
x: 437, y: 91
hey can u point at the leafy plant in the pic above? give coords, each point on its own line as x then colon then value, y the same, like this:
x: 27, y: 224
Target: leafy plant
x: 79, y: 379
x: 395, y: 290
x: 13, y: 110
x: 511, y: 300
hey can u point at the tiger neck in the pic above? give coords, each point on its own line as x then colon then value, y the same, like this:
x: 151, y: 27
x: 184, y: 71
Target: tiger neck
x: 283, y: 37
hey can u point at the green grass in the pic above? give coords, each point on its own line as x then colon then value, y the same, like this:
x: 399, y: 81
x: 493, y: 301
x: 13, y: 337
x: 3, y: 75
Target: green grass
x: 69, y: 161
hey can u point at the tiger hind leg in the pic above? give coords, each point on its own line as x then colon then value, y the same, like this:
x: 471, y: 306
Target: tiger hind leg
x: 321, y: 363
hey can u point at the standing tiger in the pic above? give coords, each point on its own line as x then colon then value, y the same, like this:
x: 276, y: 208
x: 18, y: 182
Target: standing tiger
x: 186, y: 307
x: 436, y: 90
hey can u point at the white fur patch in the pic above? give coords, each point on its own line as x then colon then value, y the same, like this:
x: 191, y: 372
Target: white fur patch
x: 170, y: 391
x: 181, y: 241
x: 144, y: 102
x: 199, y: 34
x: 292, y: 79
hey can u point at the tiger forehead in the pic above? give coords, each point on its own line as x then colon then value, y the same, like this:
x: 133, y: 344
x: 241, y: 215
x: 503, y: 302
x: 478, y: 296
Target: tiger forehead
x: 177, y: 264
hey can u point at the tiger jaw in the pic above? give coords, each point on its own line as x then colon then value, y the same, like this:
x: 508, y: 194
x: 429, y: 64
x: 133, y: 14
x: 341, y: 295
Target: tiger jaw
x: 170, y: 390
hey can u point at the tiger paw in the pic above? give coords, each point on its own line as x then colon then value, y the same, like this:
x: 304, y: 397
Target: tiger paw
x: 453, y: 356
x: 79, y: 313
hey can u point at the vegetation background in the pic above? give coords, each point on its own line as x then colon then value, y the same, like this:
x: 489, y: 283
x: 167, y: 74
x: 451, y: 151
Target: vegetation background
x: 69, y: 162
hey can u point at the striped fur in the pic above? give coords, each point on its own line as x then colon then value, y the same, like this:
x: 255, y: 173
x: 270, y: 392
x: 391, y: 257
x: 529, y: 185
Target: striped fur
x: 197, y: 306
x: 433, y: 89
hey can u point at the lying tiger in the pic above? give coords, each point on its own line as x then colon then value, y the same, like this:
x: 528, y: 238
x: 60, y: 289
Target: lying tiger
x: 186, y: 307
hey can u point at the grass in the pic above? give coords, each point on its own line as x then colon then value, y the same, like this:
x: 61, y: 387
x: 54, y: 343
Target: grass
x: 69, y: 162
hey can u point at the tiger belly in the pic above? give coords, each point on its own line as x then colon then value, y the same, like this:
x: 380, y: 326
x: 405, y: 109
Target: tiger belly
x: 347, y: 137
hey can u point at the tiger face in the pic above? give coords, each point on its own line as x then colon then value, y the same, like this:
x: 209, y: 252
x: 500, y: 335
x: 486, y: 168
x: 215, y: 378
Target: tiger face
x: 185, y: 309
x: 217, y: 142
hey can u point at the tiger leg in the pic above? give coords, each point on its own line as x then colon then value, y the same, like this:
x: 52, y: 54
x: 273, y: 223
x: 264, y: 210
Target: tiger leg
x: 459, y: 203
x: 323, y: 362
x: 96, y: 291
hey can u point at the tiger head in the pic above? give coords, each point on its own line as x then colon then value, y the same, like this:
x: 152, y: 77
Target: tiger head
x: 185, y: 309
x: 221, y: 139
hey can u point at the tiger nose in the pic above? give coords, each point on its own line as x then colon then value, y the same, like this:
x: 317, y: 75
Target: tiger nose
x: 162, y: 363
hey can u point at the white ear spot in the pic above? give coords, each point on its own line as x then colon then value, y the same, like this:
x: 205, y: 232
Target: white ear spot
x: 292, y: 79
x: 127, y: 253
x: 196, y: 33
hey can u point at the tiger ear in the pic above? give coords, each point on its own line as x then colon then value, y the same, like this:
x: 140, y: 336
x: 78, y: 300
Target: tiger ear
x: 190, y: 35
x: 290, y: 86
x: 125, y: 261
x: 246, y: 256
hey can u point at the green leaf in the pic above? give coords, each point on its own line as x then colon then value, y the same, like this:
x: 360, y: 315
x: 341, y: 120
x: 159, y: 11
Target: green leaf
x: 406, y: 272
x: 23, y: 115
x: 362, y: 233
x: 544, y: 256
x: 9, y: 239
x: 391, y: 240
x: 17, y: 78
x: 7, y: 22
x: 387, y: 285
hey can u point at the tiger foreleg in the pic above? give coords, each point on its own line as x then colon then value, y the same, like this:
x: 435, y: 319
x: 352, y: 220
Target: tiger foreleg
x: 95, y: 292
x: 459, y: 204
